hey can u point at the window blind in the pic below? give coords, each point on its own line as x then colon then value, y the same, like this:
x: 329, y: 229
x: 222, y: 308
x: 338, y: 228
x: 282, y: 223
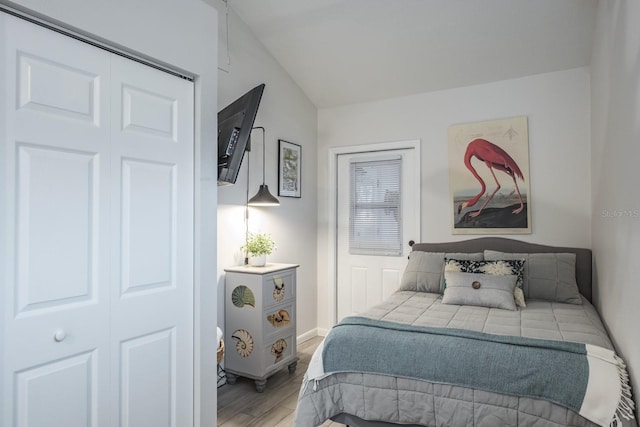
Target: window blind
x: 375, y: 225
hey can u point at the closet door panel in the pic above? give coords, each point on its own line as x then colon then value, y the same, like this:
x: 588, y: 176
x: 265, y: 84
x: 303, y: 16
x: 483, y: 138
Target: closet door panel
x: 75, y: 407
x: 60, y: 242
x: 148, y: 226
x: 55, y: 274
x: 152, y: 211
x: 48, y: 86
x: 148, y: 380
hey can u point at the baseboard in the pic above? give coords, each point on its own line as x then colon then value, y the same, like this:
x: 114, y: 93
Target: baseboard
x: 317, y: 332
x: 322, y: 332
x: 307, y: 335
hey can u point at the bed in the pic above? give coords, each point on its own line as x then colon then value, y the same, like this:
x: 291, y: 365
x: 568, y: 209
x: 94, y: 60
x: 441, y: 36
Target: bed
x: 483, y: 332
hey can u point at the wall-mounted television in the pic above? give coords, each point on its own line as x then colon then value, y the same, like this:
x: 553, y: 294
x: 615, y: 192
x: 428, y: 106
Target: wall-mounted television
x: 234, y: 130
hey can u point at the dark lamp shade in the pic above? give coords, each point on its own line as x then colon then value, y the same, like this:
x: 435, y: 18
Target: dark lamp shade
x: 263, y: 198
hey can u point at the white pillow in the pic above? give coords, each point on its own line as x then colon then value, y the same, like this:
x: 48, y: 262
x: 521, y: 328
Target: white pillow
x: 484, y: 290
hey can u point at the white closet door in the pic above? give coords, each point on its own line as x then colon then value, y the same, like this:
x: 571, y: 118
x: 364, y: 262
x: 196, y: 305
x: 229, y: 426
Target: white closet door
x: 152, y: 258
x: 96, y: 229
x: 54, y: 231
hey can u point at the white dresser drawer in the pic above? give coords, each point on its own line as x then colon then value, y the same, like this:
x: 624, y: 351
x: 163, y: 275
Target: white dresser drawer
x: 279, y: 287
x: 279, y: 319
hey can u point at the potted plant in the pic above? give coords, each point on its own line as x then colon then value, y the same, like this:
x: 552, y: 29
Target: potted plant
x: 258, y: 246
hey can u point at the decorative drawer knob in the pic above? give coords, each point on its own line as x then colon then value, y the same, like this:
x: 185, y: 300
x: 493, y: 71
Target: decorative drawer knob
x: 475, y: 284
x: 59, y: 335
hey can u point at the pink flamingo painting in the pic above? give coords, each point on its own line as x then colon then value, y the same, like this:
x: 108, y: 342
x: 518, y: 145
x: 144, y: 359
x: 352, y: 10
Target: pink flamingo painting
x: 493, y: 157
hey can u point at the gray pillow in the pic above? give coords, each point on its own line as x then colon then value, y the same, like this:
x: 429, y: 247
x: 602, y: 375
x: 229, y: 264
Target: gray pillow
x: 424, y: 271
x: 547, y: 276
x: 484, y: 290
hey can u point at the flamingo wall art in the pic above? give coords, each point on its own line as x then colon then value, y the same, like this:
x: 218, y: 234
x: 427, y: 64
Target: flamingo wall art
x: 489, y: 177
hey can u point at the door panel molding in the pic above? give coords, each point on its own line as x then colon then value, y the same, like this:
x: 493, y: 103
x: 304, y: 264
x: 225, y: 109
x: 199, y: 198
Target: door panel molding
x: 75, y: 406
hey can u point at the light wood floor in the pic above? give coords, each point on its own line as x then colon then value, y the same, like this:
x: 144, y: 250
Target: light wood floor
x: 239, y: 405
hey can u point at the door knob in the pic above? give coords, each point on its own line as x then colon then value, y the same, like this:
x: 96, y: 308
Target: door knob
x: 411, y: 243
x: 59, y: 335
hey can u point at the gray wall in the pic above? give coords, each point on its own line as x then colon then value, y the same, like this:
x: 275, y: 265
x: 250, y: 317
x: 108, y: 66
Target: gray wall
x: 285, y: 113
x: 615, y: 152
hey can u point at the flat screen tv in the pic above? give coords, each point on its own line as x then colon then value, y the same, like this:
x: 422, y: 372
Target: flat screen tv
x: 234, y: 130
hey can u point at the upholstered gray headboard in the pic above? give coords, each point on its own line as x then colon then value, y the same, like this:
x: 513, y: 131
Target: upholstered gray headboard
x: 583, y: 256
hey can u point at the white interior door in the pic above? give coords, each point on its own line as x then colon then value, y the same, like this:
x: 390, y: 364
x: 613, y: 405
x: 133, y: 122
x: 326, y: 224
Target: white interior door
x: 365, y: 276
x: 96, y: 219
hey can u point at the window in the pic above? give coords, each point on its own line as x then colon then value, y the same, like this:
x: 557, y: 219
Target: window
x: 375, y: 216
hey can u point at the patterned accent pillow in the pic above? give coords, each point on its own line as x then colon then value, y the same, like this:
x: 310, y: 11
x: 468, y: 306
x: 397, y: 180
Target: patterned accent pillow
x: 496, y: 268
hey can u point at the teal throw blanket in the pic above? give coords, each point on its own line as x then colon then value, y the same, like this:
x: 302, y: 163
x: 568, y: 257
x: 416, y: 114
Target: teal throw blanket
x: 557, y: 371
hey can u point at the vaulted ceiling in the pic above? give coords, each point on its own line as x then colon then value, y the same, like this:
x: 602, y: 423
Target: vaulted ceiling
x: 350, y: 51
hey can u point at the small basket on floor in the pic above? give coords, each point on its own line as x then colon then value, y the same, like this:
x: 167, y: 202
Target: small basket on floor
x: 220, y: 352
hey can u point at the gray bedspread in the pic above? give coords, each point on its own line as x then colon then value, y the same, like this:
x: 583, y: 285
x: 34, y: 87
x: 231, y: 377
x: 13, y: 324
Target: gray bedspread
x: 540, y: 319
x: 410, y: 401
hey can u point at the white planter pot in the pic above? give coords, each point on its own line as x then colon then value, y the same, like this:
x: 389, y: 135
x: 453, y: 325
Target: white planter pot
x: 258, y: 261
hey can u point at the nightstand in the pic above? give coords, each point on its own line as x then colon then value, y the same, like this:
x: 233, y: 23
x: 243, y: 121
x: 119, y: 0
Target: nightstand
x: 260, y: 321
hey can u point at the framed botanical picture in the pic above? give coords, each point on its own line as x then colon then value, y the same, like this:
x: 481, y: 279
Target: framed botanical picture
x: 289, y: 169
x: 489, y: 177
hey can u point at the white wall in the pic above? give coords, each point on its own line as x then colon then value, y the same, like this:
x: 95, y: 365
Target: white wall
x: 615, y: 89
x: 557, y: 107
x: 179, y: 34
x: 285, y: 113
